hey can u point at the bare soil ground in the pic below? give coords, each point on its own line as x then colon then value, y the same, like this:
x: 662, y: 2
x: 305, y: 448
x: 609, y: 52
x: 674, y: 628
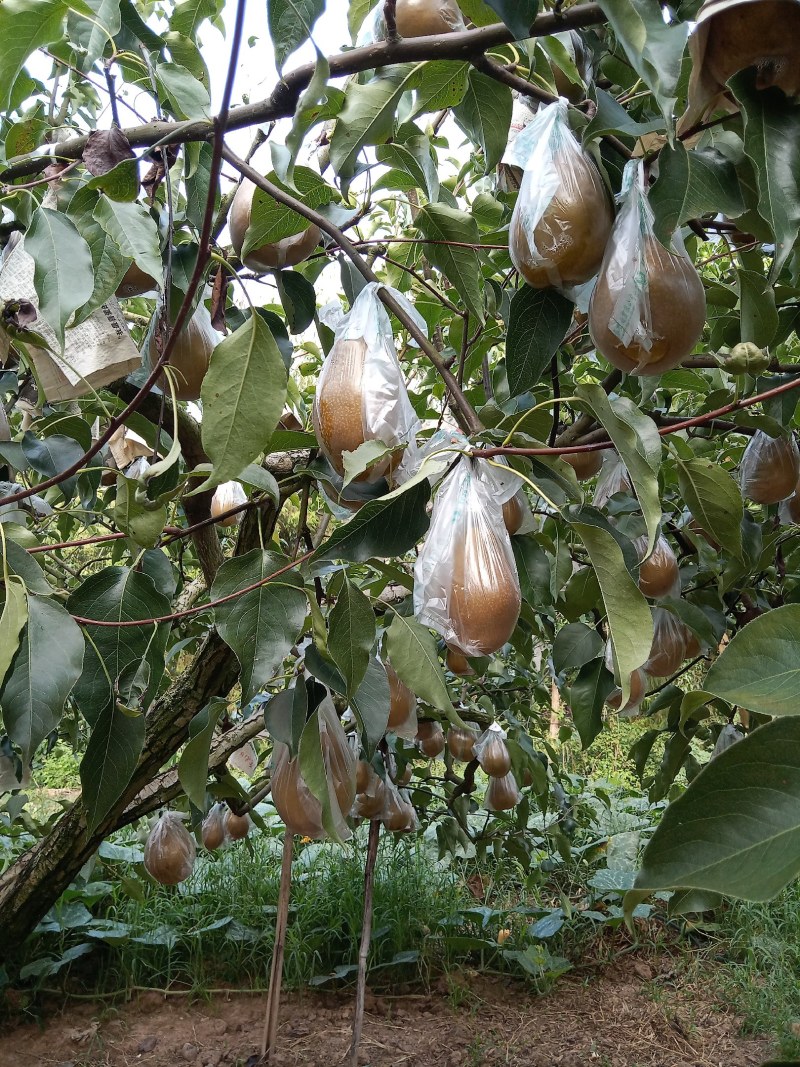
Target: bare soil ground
x: 638, y: 1013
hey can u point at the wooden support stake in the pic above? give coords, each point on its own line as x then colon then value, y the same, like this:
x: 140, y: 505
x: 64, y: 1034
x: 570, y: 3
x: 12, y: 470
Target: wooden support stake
x: 276, y: 972
x: 366, y: 935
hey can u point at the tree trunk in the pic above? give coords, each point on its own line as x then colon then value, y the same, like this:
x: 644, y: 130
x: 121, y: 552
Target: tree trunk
x: 31, y: 885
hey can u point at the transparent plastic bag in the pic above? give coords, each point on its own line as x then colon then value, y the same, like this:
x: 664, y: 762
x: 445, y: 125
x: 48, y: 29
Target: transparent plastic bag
x: 789, y: 510
x: 637, y: 687
x: 728, y: 735
x: 509, y: 176
x: 295, y: 803
x: 465, y: 579
x: 430, y: 738
x: 562, y: 217
x: 226, y: 496
x: 673, y: 644
x: 461, y: 743
x: 659, y: 575
x: 648, y: 308
x: 492, y: 753
x: 415, y: 18
x: 213, y: 828
x: 398, y: 813
x: 613, y: 479
x: 170, y: 851
x: 237, y: 827
x: 503, y: 793
x: 361, y: 393
x: 126, y: 446
x: 371, y: 801
x: 770, y: 468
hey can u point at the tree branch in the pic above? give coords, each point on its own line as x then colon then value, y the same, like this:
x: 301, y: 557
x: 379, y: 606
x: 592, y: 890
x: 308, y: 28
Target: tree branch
x: 282, y: 101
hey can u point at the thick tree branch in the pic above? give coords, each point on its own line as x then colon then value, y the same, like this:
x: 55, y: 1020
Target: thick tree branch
x: 282, y: 101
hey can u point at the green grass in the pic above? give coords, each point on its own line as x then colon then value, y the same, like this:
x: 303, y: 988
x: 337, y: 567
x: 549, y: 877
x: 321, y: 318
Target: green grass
x: 761, y: 973
x: 217, y: 928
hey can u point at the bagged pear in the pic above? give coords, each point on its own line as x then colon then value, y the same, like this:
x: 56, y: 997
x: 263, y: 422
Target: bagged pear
x: 361, y: 393
x: 414, y: 18
x: 461, y: 743
x: 430, y: 738
x: 733, y: 35
x: 770, y: 468
x: 614, y: 478
x: 673, y: 644
x: 169, y: 852
x: 274, y: 255
x: 585, y: 464
x: 638, y: 691
x: 658, y: 573
x: 465, y: 578
x: 227, y: 496
x: 562, y: 218
x: 648, y: 307
x: 191, y: 355
x: 492, y: 753
x: 213, y: 828
x: 503, y: 793
x: 299, y: 808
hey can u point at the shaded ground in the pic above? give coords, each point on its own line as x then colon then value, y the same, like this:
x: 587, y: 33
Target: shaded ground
x: 631, y: 1016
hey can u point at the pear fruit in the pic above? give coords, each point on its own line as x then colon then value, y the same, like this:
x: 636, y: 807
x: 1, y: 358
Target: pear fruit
x: 461, y: 744
x: 484, y: 601
x: 770, y: 468
x: 677, y: 314
x: 287, y: 252
x: 585, y: 464
x: 572, y: 234
x: 237, y: 826
x: 423, y: 18
x: 169, y: 851
x: 658, y: 574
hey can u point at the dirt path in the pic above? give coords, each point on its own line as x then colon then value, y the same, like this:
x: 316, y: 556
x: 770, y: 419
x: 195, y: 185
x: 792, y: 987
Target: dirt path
x: 631, y: 1016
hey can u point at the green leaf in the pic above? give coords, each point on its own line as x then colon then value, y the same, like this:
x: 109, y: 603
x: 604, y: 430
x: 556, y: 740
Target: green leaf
x: 736, y: 829
x: 371, y: 703
x: 141, y: 520
x: 760, y: 668
x: 575, y: 645
x: 689, y: 185
x: 362, y: 458
x: 117, y: 594
x: 636, y: 438
x: 414, y: 157
x: 271, y: 221
x: 119, y: 183
x: 714, y: 499
x: 460, y: 266
x: 24, y: 564
x: 108, y: 262
x: 612, y: 117
x: 587, y: 695
x: 109, y: 761
x: 387, y: 527
x: 629, y: 620
x: 485, y: 115
x: 759, y: 316
x: 187, y: 97
x: 351, y: 634
x: 44, y: 672
x: 411, y: 650
x: 193, y: 764
x: 49, y: 456
x: 772, y: 141
x: 299, y: 299
x: 12, y: 620
x: 315, y: 775
x: 367, y: 117
x: 243, y: 395
x: 94, y: 36
x: 285, y: 716
x: 440, y: 84
x: 538, y: 324
x: 63, y: 273
x: 290, y: 25
x: 653, y: 48
x: 356, y: 13
x: 518, y: 15
x: 25, y: 25
x: 133, y: 230
x: 260, y: 626
x: 187, y: 15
